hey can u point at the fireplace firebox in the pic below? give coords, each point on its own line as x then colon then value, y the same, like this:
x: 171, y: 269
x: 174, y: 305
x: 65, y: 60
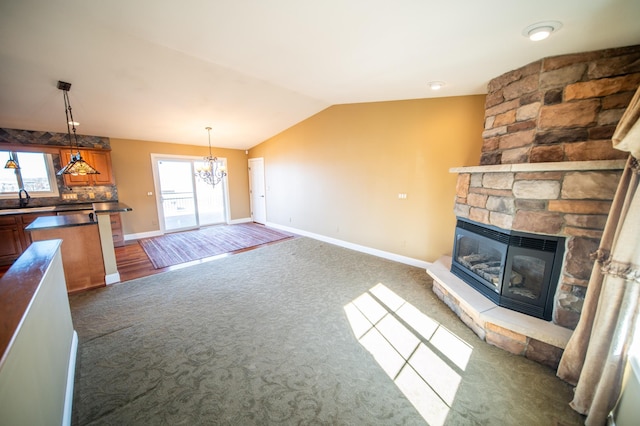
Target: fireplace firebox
x: 516, y: 270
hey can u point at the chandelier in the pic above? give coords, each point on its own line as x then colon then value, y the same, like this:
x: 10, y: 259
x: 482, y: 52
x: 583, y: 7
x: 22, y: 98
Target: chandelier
x: 211, y: 173
x: 76, y: 165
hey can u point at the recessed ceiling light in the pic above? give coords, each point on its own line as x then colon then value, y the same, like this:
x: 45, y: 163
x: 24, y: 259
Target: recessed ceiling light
x: 436, y: 85
x: 541, y: 30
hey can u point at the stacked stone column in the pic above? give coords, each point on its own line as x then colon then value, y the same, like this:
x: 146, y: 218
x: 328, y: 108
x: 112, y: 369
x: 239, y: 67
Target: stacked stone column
x: 563, y: 108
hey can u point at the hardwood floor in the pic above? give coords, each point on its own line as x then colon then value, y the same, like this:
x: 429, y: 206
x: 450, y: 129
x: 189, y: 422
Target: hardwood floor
x: 133, y: 262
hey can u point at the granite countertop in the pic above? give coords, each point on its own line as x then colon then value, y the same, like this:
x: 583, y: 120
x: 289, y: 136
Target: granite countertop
x: 108, y: 207
x: 43, y: 209
x: 64, y: 221
x: 72, y: 207
x: 113, y: 207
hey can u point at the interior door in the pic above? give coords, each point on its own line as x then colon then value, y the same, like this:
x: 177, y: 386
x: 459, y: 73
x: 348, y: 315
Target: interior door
x: 257, y: 190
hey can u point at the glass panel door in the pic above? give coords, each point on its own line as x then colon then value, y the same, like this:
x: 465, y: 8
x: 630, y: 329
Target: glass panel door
x: 210, y: 200
x: 186, y: 202
x: 177, y: 194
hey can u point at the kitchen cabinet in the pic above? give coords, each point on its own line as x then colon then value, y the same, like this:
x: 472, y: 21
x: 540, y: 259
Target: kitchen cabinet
x: 13, y: 239
x: 99, y: 160
x: 116, y: 230
x: 81, y: 249
x: 11, y: 246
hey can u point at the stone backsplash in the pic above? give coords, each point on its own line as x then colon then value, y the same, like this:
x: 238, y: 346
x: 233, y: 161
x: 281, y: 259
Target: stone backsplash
x: 85, y: 194
x: 33, y: 137
x: 562, y: 108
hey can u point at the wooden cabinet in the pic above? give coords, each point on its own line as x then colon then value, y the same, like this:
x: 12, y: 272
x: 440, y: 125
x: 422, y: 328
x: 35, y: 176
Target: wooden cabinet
x: 11, y: 244
x: 14, y: 240
x: 116, y: 230
x: 99, y: 160
x: 81, y: 254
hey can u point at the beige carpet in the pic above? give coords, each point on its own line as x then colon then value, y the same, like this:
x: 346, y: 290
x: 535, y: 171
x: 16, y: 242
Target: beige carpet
x: 298, y: 332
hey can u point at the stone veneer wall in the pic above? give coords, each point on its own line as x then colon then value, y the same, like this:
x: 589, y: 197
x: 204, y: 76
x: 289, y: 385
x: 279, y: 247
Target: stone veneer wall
x: 16, y: 137
x: 562, y: 108
x: 569, y: 199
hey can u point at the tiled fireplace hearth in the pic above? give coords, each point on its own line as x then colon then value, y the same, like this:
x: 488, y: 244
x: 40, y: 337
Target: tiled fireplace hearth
x: 547, y: 169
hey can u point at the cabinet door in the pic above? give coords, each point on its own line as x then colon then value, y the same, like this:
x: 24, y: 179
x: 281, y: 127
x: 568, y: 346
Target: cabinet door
x: 10, y: 242
x: 71, y: 180
x: 101, y: 161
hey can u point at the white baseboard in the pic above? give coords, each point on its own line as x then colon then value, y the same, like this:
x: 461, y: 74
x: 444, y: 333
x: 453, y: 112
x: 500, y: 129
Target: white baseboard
x: 363, y: 249
x: 71, y: 374
x: 243, y: 220
x: 140, y: 235
x: 112, y: 278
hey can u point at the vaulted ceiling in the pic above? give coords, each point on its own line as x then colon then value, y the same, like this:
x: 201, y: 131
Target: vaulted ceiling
x: 163, y: 70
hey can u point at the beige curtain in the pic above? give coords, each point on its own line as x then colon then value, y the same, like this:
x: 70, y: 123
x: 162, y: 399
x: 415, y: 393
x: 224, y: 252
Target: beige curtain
x: 596, y: 355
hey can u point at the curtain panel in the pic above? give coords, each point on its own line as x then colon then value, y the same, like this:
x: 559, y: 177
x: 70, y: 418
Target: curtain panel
x: 596, y: 355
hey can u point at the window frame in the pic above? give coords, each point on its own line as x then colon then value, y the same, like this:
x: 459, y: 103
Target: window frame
x: 51, y: 172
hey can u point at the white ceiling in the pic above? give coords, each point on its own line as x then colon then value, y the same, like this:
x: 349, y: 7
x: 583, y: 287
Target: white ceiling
x: 163, y: 70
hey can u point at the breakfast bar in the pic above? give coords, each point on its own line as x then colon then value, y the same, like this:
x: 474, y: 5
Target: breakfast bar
x: 87, y: 249
x: 81, y: 249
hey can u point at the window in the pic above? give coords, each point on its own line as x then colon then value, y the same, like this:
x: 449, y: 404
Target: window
x: 36, y: 175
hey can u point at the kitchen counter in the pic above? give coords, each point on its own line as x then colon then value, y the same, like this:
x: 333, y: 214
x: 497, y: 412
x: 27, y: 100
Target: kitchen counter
x: 19, y: 225
x: 73, y: 207
x: 112, y: 207
x: 55, y: 209
x: 48, y: 222
x: 106, y: 207
x: 82, y: 255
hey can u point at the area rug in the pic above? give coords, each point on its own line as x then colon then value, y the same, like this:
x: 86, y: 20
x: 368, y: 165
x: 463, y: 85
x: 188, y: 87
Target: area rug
x: 182, y: 247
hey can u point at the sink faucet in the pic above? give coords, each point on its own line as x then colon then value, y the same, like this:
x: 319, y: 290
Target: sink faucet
x: 23, y: 201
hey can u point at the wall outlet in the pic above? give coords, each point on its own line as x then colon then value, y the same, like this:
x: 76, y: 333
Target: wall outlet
x: 70, y: 196
x: 92, y: 195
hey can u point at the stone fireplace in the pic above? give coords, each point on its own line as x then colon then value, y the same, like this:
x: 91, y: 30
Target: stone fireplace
x: 548, y: 169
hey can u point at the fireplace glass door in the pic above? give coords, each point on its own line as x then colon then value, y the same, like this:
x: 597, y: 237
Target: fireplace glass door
x: 482, y: 260
x: 529, y: 278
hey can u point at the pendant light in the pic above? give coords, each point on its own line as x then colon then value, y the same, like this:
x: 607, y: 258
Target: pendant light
x: 211, y: 173
x: 76, y: 165
x: 11, y: 162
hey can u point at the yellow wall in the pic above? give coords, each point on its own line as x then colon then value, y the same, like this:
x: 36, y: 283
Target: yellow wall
x: 134, y: 178
x: 339, y: 173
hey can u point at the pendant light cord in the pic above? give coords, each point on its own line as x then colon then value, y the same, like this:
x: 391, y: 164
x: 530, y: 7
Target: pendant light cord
x: 70, y: 123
